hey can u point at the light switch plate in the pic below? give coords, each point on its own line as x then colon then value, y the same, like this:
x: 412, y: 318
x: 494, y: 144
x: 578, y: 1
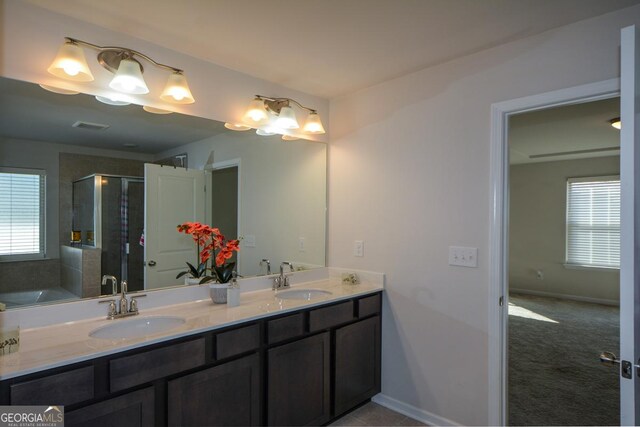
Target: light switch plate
x: 463, y: 256
x: 250, y: 241
x: 301, y: 241
x: 358, y: 248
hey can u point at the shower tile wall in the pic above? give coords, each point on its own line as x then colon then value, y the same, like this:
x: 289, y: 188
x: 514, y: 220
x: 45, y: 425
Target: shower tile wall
x: 29, y: 275
x: 80, y: 271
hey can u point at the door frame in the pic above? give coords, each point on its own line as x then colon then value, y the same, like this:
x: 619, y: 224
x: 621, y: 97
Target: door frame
x: 499, y: 224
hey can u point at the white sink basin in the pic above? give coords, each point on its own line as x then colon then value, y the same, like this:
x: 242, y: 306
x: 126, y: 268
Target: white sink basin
x: 137, y: 327
x: 302, y: 294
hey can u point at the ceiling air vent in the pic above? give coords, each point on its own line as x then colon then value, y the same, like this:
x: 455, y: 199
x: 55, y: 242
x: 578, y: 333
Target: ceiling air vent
x: 89, y: 126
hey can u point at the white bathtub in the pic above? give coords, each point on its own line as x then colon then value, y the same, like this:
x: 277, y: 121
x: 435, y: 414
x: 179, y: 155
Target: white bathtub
x: 43, y: 296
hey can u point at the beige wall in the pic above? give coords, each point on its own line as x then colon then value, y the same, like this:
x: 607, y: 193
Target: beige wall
x: 409, y: 173
x: 537, y: 239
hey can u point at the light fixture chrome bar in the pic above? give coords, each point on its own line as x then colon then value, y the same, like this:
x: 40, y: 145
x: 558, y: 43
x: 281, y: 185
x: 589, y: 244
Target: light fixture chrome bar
x: 130, y: 52
x: 283, y: 100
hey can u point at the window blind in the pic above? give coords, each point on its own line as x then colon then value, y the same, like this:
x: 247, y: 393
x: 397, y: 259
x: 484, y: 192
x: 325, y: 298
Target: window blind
x: 593, y: 222
x: 22, y: 213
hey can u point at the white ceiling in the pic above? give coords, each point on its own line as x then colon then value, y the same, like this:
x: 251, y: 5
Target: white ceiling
x: 330, y: 47
x: 558, y: 133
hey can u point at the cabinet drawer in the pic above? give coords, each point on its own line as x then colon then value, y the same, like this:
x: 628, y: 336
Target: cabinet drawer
x: 285, y: 328
x: 237, y: 341
x: 327, y: 317
x: 141, y: 368
x: 368, y: 306
x: 66, y: 388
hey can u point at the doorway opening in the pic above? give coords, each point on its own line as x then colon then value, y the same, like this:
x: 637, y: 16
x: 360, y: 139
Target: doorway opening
x: 564, y: 258
x: 224, y: 199
x: 499, y: 229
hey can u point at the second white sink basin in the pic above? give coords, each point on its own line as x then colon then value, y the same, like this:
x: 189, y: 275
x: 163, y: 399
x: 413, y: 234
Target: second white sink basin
x: 302, y: 294
x: 136, y: 327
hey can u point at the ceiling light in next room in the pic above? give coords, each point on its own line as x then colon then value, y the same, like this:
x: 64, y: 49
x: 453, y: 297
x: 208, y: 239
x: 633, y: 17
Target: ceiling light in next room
x: 278, y: 115
x: 124, y: 63
x: 616, y: 123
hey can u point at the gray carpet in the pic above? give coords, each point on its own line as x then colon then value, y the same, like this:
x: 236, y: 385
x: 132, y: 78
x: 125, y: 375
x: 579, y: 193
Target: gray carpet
x: 555, y: 377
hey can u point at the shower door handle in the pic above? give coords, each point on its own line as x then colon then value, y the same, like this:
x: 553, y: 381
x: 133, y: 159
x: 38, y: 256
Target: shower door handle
x: 607, y: 358
x: 151, y: 263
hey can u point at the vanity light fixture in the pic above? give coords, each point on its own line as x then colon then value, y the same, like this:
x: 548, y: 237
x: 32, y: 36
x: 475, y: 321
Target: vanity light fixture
x: 265, y: 132
x: 616, y: 123
x: 263, y: 108
x: 71, y: 64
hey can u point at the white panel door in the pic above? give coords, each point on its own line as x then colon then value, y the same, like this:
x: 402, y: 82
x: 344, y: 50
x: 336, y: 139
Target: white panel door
x: 172, y: 196
x: 630, y: 228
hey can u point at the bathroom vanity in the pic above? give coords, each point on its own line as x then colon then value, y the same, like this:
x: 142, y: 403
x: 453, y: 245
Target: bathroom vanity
x: 303, y: 364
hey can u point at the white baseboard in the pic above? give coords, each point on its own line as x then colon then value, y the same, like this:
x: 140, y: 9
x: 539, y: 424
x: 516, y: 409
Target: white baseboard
x: 565, y: 296
x: 411, y: 411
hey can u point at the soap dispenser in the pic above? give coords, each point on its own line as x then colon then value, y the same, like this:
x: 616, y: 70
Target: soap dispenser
x: 233, y: 291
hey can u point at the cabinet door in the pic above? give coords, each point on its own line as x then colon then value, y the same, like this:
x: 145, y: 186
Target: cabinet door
x: 129, y: 410
x: 298, y: 379
x: 357, y: 364
x: 225, y: 395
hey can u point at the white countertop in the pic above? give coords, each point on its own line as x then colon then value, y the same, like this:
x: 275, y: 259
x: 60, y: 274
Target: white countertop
x: 62, y: 344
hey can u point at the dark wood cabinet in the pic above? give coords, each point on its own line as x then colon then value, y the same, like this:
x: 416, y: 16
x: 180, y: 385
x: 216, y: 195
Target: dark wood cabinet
x: 357, y: 364
x: 304, y: 367
x: 299, y: 381
x: 225, y: 395
x: 134, y: 409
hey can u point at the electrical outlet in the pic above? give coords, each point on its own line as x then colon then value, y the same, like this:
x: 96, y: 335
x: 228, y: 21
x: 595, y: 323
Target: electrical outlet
x: 463, y: 256
x: 301, y: 244
x: 358, y: 248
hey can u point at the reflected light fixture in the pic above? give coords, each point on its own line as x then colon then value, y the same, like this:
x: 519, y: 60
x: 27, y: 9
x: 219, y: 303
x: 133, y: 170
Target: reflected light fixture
x: 154, y: 110
x: 263, y: 108
x: 58, y: 90
x: 290, y: 138
x: 112, y: 100
x: 70, y: 64
x: 265, y: 132
x: 236, y: 127
x: 616, y: 123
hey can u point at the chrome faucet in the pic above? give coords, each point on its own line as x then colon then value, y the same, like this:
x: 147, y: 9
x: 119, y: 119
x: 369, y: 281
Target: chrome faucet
x: 114, y: 283
x: 282, y: 281
x: 125, y: 307
x: 266, y: 261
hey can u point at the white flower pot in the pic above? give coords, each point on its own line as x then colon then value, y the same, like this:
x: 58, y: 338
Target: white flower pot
x: 218, y: 292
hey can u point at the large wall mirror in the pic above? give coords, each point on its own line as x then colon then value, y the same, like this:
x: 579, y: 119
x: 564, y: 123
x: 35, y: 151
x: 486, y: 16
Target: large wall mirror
x: 92, y: 189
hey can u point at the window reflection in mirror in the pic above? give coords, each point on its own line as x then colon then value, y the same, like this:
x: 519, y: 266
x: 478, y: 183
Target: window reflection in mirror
x: 108, y: 195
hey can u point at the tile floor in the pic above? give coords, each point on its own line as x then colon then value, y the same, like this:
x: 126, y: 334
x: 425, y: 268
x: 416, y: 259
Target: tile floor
x: 373, y: 414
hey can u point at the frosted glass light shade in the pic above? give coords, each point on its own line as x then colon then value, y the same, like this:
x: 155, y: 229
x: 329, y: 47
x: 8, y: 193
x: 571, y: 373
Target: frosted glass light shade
x: 177, y: 90
x: 128, y: 78
x: 616, y: 123
x: 71, y: 64
x: 256, y: 114
x: 265, y: 132
x: 313, y: 124
x: 290, y: 138
x: 287, y: 119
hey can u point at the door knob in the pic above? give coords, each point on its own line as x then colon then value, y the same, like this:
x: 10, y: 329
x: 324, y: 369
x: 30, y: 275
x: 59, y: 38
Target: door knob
x: 152, y: 263
x: 608, y: 358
